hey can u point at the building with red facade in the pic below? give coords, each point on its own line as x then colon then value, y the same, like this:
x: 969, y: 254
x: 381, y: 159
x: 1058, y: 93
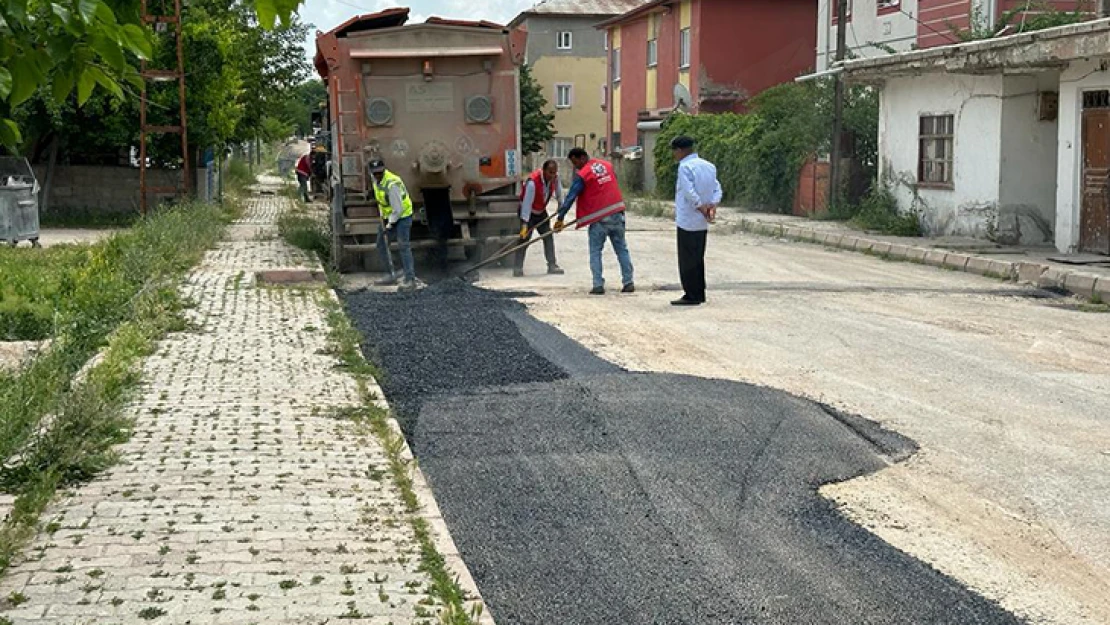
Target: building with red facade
x: 720, y: 52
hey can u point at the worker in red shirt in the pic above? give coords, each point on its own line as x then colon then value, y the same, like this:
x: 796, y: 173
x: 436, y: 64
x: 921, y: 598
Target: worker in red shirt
x: 601, y: 208
x: 536, y: 192
x: 304, y: 173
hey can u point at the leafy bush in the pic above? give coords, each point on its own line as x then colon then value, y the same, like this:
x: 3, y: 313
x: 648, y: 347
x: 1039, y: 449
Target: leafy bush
x: 239, y: 175
x: 878, y: 211
x: 759, y: 154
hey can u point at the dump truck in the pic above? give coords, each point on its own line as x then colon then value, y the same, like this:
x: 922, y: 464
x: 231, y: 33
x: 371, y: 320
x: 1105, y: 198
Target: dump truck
x: 438, y: 102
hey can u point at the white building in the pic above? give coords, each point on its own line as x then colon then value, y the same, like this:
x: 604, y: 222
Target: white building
x: 1006, y: 139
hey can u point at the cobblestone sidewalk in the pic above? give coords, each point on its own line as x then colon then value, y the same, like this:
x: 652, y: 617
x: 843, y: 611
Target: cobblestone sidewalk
x: 241, y: 497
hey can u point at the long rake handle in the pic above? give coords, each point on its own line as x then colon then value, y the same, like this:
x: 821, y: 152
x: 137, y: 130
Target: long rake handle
x: 519, y: 246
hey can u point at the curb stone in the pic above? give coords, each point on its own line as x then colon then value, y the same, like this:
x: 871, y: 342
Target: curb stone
x: 1023, y: 272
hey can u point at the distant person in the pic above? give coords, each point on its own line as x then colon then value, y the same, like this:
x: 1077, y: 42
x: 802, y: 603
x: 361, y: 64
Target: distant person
x: 538, y: 190
x: 304, y: 173
x: 395, y: 206
x: 697, y: 194
x: 600, y: 206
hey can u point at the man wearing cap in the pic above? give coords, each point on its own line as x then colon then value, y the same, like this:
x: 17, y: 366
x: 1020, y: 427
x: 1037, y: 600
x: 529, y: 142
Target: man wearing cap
x: 395, y: 207
x: 538, y: 190
x: 697, y: 194
x: 600, y: 206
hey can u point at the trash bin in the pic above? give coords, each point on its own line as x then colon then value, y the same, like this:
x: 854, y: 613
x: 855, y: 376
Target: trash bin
x: 19, y: 202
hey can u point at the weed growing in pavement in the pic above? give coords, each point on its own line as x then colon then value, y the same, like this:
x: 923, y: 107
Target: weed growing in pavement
x: 118, y: 298
x: 345, y: 339
x: 649, y: 207
x: 307, y: 233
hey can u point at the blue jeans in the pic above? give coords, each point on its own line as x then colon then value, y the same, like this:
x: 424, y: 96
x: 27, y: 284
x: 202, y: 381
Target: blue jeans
x: 612, y: 228
x: 401, y: 232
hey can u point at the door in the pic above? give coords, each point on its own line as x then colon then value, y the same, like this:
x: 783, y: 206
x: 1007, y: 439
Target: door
x: 1094, y: 218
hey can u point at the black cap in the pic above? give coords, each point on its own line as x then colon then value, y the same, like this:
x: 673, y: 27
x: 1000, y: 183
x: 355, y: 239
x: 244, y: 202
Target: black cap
x: 682, y: 142
x: 376, y: 166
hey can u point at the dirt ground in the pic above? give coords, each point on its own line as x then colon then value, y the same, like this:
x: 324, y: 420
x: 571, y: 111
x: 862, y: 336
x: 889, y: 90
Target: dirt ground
x: 1006, y: 391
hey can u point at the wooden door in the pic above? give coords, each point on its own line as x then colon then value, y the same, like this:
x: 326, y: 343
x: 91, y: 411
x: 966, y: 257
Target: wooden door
x: 1094, y: 220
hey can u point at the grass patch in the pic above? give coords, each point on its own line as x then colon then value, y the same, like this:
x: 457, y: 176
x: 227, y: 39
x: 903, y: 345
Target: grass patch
x: 239, y: 177
x: 877, y: 212
x: 307, y: 233
x: 116, y: 297
x: 345, y: 341
x: 649, y: 207
x: 88, y: 219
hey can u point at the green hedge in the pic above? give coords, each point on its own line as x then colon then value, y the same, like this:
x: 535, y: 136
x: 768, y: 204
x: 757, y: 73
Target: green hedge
x: 759, y: 154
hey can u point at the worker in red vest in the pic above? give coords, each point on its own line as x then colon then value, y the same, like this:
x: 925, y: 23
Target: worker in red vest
x: 537, y: 191
x: 304, y: 172
x: 601, y: 208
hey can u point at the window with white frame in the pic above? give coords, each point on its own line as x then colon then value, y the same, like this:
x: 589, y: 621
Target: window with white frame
x: 935, y: 152
x: 564, y: 40
x: 564, y: 94
x: 559, y: 147
x: 606, y: 39
x: 616, y: 64
x: 653, y: 41
x: 684, y: 49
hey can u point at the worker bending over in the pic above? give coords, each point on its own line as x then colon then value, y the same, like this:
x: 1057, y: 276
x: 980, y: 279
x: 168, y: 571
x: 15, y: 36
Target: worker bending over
x: 538, y: 190
x: 600, y: 206
x: 395, y: 206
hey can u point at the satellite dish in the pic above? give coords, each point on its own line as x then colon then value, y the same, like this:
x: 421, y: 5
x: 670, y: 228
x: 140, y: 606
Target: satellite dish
x: 682, y: 97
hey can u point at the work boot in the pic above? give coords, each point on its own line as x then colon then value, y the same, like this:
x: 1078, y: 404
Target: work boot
x: 407, y: 286
x: 386, y: 281
x: 629, y: 288
x: 555, y: 270
x: 684, y: 301
x: 598, y: 290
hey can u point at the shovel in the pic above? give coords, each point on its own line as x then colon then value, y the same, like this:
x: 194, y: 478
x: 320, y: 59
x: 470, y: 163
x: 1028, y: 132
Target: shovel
x: 514, y: 248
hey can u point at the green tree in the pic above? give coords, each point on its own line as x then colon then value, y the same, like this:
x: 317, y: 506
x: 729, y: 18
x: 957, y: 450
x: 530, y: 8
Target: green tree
x: 58, y: 48
x: 301, y: 103
x: 536, y: 126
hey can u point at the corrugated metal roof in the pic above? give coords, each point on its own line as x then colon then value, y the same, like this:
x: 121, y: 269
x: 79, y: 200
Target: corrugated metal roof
x: 583, y: 7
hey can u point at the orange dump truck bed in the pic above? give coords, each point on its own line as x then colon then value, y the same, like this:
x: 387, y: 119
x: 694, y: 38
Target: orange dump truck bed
x: 438, y: 103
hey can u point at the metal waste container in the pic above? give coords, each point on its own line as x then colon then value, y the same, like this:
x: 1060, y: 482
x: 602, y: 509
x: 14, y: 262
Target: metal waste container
x: 19, y: 202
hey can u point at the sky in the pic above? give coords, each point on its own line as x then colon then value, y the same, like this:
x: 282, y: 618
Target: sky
x: 327, y: 14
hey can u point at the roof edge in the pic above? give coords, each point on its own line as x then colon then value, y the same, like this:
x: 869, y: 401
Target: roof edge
x: 640, y: 10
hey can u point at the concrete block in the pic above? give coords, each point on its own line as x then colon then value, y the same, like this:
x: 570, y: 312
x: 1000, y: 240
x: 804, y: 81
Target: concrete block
x: 935, y: 257
x: 956, y: 261
x: 1052, y: 278
x: 809, y: 234
x: 882, y: 248
x: 1102, y: 290
x: 847, y: 242
x: 917, y: 254
x: 1030, y: 272
x: 898, y: 251
x: 1003, y: 269
x: 978, y: 265
x: 791, y: 232
x: 1082, y: 284
x: 832, y: 239
x: 863, y: 245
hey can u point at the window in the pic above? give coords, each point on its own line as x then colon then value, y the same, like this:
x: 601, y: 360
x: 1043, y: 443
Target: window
x: 653, y: 41
x: 604, y: 96
x: 935, y: 152
x: 616, y: 64
x: 836, y: 9
x: 606, y: 39
x: 564, y: 40
x: 563, y: 94
x: 559, y: 147
x: 652, y: 54
x: 684, y: 48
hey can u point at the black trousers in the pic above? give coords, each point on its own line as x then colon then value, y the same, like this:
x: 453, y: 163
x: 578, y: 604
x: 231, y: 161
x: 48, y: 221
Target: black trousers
x: 691, y: 262
x: 548, y: 243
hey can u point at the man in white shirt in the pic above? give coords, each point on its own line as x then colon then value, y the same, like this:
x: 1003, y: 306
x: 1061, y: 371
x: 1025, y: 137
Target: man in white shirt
x: 697, y: 194
x: 538, y: 190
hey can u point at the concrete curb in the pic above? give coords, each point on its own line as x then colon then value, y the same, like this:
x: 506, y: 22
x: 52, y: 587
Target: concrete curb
x: 429, y: 509
x: 1041, y: 275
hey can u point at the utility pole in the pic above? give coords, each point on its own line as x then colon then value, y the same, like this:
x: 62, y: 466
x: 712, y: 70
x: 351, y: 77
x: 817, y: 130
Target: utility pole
x: 838, y: 102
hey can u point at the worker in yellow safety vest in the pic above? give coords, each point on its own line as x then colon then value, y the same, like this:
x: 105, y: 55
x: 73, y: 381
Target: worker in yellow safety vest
x: 395, y: 206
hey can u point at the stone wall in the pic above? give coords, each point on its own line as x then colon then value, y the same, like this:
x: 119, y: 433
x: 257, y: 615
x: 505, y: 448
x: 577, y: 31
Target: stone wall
x: 99, y: 189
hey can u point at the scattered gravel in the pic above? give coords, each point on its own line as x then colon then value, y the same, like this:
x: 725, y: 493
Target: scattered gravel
x: 580, y: 493
x: 446, y: 337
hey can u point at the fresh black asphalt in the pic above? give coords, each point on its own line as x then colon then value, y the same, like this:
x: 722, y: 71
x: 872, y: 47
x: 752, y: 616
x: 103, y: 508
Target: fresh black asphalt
x: 581, y: 494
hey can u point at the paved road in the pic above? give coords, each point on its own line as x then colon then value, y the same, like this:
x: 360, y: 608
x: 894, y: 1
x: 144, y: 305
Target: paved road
x: 580, y: 493
x: 1006, y: 392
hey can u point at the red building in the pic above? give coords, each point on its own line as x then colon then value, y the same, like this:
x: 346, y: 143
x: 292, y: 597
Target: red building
x: 722, y: 52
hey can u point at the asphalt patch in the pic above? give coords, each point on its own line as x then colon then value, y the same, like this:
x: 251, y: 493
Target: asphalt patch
x: 579, y: 493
